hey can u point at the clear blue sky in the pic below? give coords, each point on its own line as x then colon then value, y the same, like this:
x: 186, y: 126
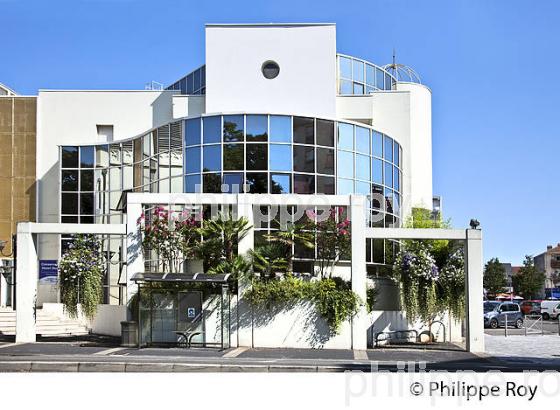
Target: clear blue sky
x: 492, y: 67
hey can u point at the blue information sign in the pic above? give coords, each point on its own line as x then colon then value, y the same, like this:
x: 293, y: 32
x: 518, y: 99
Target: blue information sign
x: 48, y: 271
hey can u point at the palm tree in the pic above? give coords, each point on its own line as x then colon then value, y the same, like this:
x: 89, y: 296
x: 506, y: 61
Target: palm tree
x: 269, y: 259
x: 294, y: 235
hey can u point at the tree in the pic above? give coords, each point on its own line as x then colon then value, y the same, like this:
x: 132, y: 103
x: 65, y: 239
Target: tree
x: 294, y: 235
x: 494, y: 276
x: 529, y: 281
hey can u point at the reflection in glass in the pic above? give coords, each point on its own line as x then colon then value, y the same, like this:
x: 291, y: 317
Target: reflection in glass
x: 257, y: 156
x: 234, y: 159
x: 363, y: 142
x: 192, y: 160
x: 358, y: 89
x: 212, y: 183
x: 325, y: 161
x: 345, y: 164
x: 69, y: 157
x: 362, y: 167
x: 257, y: 182
x: 346, y: 87
x: 388, y: 174
x: 388, y: 149
x: 233, y: 128
x: 397, y: 179
x: 358, y: 71
x: 212, y: 129
x: 304, y: 184
x: 69, y: 203
x: 377, y: 170
x: 370, y: 75
x: 345, y: 136
x: 304, y: 132
x: 280, y: 128
x: 212, y: 156
x: 69, y: 180
x: 233, y: 183
x: 377, y: 144
x: 304, y: 158
x: 344, y: 186
x: 345, y: 67
x: 192, y: 131
x: 257, y: 128
x: 192, y: 184
x: 102, y: 156
x: 280, y: 183
x: 86, y: 204
x: 325, y: 133
x: 325, y: 185
x: 86, y: 180
x: 87, y: 155
x: 280, y: 157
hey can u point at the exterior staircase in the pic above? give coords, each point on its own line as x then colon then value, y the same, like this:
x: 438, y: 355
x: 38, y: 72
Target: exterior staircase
x: 47, y: 324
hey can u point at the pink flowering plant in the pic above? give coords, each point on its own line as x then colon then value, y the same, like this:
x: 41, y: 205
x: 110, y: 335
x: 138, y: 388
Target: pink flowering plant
x: 333, y: 239
x: 173, y: 235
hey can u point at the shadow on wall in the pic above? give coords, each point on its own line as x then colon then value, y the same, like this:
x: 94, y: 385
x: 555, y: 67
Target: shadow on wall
x: 162, y: 108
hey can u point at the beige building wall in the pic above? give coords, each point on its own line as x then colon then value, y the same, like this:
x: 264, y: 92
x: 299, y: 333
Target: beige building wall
x: 17, y: 163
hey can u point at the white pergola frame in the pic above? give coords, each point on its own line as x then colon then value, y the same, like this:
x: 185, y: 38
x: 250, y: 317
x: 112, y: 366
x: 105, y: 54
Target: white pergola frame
x: 28, y: 272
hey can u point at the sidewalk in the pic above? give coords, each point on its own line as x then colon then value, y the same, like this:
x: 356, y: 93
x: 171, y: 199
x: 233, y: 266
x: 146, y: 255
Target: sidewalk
x: 537, y: 349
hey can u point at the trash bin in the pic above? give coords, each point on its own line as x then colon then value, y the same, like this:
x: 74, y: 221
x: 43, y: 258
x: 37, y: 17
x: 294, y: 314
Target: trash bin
x: 129, y: 334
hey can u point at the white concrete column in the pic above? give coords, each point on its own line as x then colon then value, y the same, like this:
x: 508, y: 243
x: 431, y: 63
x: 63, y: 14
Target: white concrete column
x: 244, y: 335
x: 26, y: 284
x: 358, y: 264
x: 474, y: 291
x: 134, y: 254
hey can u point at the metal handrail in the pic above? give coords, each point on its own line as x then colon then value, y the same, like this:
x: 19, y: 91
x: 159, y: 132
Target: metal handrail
x: 444, y: 329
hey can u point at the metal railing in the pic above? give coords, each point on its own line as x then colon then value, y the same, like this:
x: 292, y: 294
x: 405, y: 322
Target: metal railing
x: 531, y: 324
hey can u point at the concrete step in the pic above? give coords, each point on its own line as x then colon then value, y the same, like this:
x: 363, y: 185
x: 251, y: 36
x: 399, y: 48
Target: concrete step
x: 47, y: 324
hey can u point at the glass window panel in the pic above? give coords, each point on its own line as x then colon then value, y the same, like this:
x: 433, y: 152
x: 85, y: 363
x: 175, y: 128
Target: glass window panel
x: 197, y: 80
x: 257, y: 182
x: 212, y: 129
x: 86, y: 219
x: 115, y: 154
x: 396, y: 153
x: 146, y: 143
x: 192, y: 160
x: 388, y: 174
x: 325, y: 133
x: 377, y: 144
x: 257, y: 128
x: 304, y: 184
x: 304, y: 158
x: 127, y: 154
x: 87, y: 155
x: 379, y: 75
x: 137, y: 149
x: 358, y: 71
x: 304, y: 132
x: 192, y: 131
x: 345, y: 162
x: 212, y: 183
x: 388, y: 82
x: 280, y: 157
x: 86, y: 204
x: 69, y: 180
x: 233, y: 183
x: 325, y: 185
x: 370, y: 75
x: 369, y: 89
x: 115, y: 179
x: 345, y: 186
x: 377, y: 170
x: 363, y: 167
x: 257, y: 156
x: 345, y: 87
x: 86, y: 180
x: 377, y: 198
x: 163, y: 185
x: 128, y: 181
x: 233, y: 128
x: 234, y: 159
x: 388, y: 149
x: 280, y: 183
x: 280, y: 128
x: 345, y: 67
x: 102, y: 156
x: 345, y: 136
x: 363, y: 142
x: 325, y: 161
x: 363, y: 188
x: 397, y: 179
x: 396, y: 203
x: 357, y: 89
x: 69, y: 157
x: 389, y: 200
x: 212, y: 158
x: 190, y: 88
x: 68, y: 220
x: 192, y: 184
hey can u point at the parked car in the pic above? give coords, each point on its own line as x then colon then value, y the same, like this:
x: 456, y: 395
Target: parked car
x: 531, y: 307
x: 550, y: 309
x: 495, y: 314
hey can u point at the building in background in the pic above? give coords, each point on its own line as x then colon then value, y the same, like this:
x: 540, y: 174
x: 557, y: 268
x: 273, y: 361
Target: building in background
x: 549, y: 263
x: 18, y: 117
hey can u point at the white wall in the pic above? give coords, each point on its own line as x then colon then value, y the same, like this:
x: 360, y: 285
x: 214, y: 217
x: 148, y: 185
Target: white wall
x: 306, y: 55
x: 188, y: 105
x: 71, y: 117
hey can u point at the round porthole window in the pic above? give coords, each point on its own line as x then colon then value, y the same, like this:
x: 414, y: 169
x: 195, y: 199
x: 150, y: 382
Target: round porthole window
x: 270, y: 69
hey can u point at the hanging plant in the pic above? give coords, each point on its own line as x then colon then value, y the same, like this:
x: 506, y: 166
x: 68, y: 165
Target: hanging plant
x: 452, y: 282
x: 81, y: 272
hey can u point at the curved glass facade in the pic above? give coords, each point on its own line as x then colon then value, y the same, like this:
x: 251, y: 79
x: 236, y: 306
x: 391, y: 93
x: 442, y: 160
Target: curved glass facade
x: 360, y: 77
x: 255, y: 153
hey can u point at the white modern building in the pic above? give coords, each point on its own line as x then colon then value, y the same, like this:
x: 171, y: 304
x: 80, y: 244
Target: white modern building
x: 275, y: 109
